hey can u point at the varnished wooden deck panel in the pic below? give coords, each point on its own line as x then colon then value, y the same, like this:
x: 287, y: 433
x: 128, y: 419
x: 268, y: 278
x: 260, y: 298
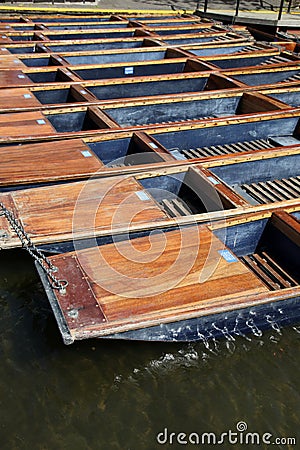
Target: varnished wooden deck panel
x: 35, y: 163
x: 14, y: 78
x: 24, y: 124
x: 66, y: 211
x: 18, y: 98
x: 163, y: 286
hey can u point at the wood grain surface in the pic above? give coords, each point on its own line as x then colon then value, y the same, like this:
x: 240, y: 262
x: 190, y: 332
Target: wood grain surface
x: 57, y: 160
x: 63, y: 211
x: 172, y: 275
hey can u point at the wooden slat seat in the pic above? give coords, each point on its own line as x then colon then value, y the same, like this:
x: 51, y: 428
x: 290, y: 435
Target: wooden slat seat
x: 292, y: 78
x: 275, y: 60
x: 225, y: 149
x: 273, y: 190
x: 269, y: 271
x: 175, y: 207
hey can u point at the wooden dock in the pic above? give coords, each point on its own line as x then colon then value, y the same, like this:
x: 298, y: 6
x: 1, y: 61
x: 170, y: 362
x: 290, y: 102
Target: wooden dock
x: 151, y: 165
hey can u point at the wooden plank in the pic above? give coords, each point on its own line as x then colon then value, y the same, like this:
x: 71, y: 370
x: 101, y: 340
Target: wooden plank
x: 164, y: 287
x: 59, y: 161
x: 78, y: 304
x: 17, y: 98
x: 14, y: 78
x: 264, y: 261
x: 257, y: 195
x: 10, y: 62
x: 24, y: 124
x: 277, y: 191
x: 284, y: 186
x: 293, y: 188
x: 288, y: 225
x: 65, y: 211
x: 265, y: 190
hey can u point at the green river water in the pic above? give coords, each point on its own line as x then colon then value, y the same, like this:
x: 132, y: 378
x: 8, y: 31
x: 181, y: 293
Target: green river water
x: 121, y: 395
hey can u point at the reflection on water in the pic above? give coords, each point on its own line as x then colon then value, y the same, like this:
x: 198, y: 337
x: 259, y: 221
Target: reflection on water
x: 119, y: 395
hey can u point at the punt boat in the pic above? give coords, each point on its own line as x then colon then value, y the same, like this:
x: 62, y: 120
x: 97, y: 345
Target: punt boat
x: 242, y: 275
x: 93, y: 92
x: 159, y: 198
x: 140, y: 114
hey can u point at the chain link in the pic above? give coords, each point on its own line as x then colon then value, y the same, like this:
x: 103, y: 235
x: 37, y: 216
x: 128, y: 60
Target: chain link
x: 37, y: 255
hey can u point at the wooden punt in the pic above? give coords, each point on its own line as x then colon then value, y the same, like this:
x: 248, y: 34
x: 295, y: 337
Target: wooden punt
x: 175, y: 65
x: 260, y: 134
x: 79, y: 121
x: 160, y: 60
x: 253, y: 60
x: 115, y: 30
x: 93, y: 92
x: 43, y: 96
x: 289, y: 95
x: 288, y: 74
x: 113, y: 205
x: 235, y: 42
x: 79, y: 53
x: 61, y: 19
x: 233, y: 136
x: 260, y: 181
x: 111, y: 50
x: 111, y: 155
x: 240, y: 272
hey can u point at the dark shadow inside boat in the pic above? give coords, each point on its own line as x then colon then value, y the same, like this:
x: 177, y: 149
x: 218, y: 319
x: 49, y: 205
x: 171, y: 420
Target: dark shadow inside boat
x: 117, y: 57
x: 42, y: 61
x: 203, y: 108
x: 58, y: 96
x: 265, y: 180
x: 81, y: 36
x: 291, y: 98
x: 88, y: 27
x: 126, y: 152
x: 87, y: 47
x: 229, y: 49
x: 48, y: 76
x: 23, y: 37
x: 247, y: 61
x: 235, y: 138
x: 175, y: 86
x: 83, y: 120
x: 69, y: 19
x: 22, y: 50
x: 126, y: 71
x: 269, y: 247
x: 267, y: 77
x: 189, y: 40
x: 182, y: 30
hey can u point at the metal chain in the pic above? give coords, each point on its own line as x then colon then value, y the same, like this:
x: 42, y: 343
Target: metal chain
x: 38, y: 256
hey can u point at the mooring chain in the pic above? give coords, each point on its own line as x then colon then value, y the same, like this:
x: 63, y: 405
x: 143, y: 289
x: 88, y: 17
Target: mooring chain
x: 37, y: 255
